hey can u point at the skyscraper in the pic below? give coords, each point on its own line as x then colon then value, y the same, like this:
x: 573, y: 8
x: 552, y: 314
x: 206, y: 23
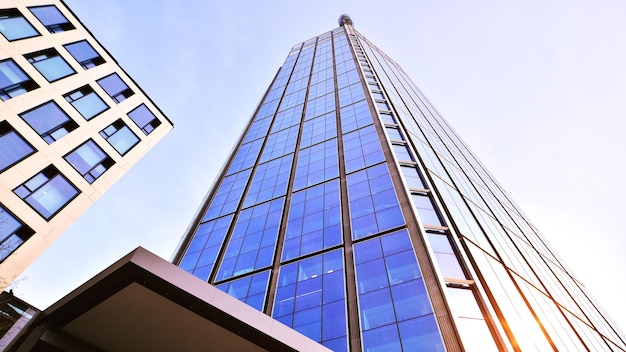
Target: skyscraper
x: 352, y: 212
x: 72, y: 122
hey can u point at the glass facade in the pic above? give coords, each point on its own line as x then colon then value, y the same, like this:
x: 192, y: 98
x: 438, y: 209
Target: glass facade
x: 352, y: 212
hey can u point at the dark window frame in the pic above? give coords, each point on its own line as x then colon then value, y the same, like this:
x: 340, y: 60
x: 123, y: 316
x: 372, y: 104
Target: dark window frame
x: 6, y: 14
x: 117, y: 96
x: 48, y: 136
x: 93, y: 173
x: 54, y: 27
x: 26, y: 85
x: 87, y: 63
x: 151, y: 125
x: 23, y: 232
x: 24, y: 191
x: 6, y: 128
x: 45, y: 55
x: 119, y: 124
x: 86, y: 88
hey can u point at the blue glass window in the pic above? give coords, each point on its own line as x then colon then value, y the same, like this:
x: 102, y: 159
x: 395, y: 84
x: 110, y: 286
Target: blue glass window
x: 311, y: 298
x: 269, y: 107
x: 251, y: 245
x: 347, y: 79
x: 322, y: 88
x: 373, y: 203
x: 12, y: 233
x: 14, y: 26
x: 362, y: 149
x: 388, y: 118
x: 391, y: 294
x: 50, y: 64
x: 89, y: 160
x: 84, y: 54
x: 402, y: 152
x: 287, y: 118
x: 250, y: 289
x: 351, y: 94
x: 293, y: 99
x: 228, y: 195
x: 425, y: 209
x: 47, y: 192
x: 257, y: 130
x: 13, y: 81
x: 280, y: 143
x: 320, y: 106
x: 144, y: 119
x: 428, y: 338
x: 49, y: 121
x: 202, y: 252
x: 318, y: 130
x: 314, y: 220
x: 269, y: 181
x: 120, y: 137
x: 355, y: 116
x: 246, y: 156
x: 412, y: 177
x: 86, y: 102
x: 52, y: 18
x: 317, y: 164
x: 394, y: 134
x: 14, y: 148
x: 115, y: 87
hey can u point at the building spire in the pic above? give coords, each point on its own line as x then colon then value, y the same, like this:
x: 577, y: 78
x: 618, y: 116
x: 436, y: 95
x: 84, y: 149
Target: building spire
x: 345, y: 19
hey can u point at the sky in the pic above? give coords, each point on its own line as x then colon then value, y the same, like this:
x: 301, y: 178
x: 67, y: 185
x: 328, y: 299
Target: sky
x: 535, y: 88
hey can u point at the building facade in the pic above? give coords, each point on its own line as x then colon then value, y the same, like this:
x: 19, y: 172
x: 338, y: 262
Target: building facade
x: 72, y: 122
x: 351, y: 211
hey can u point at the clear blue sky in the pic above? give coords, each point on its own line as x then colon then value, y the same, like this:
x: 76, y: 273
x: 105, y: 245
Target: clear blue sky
x: 536, y: 88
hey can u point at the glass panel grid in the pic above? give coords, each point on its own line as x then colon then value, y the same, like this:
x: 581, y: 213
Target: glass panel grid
x: 311, y: 298
x: 392, y: 296
x: 373, y: 203
x: 251, y: 245
x: 269, y: 181
x: 314, y: 220
x: 317, y: 164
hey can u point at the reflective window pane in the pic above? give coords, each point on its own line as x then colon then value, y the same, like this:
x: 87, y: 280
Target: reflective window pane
x: 89, y: 160
x: 13, y: 147
x: 84, y: 54
x: 115, y: 87
x: 14, y: 81
x: 121, y: 138
x: 50, y: 64
x: 14, y: 26
x: 144, y: 119
x: 51, y: 18
x: 49, y: 121
x: 47, y: 192
x: 86, y: 102
x: 12, y: 233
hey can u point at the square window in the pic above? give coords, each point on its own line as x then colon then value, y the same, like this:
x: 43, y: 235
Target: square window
x: 144, y: 118
x: 12, y: 233
x: 47, y: 192
x: 14, y: 148
x: 13, y: 81
x: 86, y: 102
x: 50, y: 64
x: 51, y: 18
x: 120, y: 137
x: 89, y: 160
x: 115, y: 87
x: 14, y: 26
x: 85, y: 54
x: 49, y: 121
